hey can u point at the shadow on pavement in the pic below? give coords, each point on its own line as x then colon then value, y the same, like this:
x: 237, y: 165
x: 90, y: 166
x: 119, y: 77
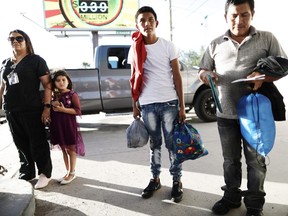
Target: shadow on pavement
x: 128, y: 197
x: 45, y: 208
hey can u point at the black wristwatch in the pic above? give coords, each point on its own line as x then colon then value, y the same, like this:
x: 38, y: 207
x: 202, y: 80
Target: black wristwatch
x: 47, y: 105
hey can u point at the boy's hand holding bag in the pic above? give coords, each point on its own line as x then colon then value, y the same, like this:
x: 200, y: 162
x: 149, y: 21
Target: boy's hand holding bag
x: 187, y: 143
x: 137, y: 134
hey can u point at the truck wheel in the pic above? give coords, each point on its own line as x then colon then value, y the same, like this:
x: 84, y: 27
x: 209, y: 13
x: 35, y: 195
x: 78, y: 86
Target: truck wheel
x: 205, y: 107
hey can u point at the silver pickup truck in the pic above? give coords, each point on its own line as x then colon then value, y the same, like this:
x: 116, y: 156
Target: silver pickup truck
x: 106, y: 87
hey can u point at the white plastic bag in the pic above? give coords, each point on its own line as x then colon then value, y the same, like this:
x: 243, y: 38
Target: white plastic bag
x: 137, y: 134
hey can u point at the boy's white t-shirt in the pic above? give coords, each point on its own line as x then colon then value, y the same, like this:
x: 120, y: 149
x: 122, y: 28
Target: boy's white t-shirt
x: 158, y: 85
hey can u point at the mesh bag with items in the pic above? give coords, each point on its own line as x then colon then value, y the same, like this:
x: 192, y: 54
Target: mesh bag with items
x: 187, y: 142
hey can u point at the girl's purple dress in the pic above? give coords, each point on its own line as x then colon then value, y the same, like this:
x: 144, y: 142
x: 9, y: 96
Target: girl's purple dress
x: 64, y: 130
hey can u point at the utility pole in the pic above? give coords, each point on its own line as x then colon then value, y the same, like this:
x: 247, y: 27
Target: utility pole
x: 171, y: 24
x: 205, y: 29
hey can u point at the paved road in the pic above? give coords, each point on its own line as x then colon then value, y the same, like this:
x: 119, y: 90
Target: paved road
x: 111, y: 176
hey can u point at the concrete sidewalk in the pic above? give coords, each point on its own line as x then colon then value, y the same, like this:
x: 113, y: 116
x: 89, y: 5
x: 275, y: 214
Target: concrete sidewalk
x: 16, y: 196
x: 111, y: 177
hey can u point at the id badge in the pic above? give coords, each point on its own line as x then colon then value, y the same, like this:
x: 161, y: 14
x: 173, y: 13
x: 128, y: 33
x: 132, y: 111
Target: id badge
x: 13, y: 78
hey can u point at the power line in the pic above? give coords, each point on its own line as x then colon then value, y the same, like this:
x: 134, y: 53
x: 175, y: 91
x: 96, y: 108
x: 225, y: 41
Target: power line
x: 200, y: 6
x: 193, y: 11
x: 33, y: 21
x: 206, y: 13
x: 185, y: 8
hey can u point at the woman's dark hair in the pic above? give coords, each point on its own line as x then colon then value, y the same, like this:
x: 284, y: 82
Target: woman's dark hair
x: 61, y: 73
x: 238, y: 2
x: 145, y: 9
x: 29, y: 46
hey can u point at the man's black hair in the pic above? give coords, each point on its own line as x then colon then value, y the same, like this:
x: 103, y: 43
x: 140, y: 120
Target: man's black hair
x: 145, y: 9
x: 238, y: 2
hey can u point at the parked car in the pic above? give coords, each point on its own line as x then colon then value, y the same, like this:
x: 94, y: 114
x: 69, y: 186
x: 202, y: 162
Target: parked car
x: 106, y: 87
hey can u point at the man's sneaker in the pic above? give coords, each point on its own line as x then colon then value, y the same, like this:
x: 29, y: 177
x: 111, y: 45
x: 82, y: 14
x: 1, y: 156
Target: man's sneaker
x: 254, y: 212
x: 223, y: 206
x: 177, y: 191
x: 149, y: 190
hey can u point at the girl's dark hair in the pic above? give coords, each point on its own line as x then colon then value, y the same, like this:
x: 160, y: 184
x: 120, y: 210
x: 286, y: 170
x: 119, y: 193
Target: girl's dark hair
x: 145, y: 9
x: 29, y: 46
x: 61, y: 73
x: 238, y: 2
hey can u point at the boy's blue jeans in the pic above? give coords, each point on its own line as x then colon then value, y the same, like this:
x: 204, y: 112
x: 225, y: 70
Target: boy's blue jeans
x: 231, y: 139
x: 158, y: 118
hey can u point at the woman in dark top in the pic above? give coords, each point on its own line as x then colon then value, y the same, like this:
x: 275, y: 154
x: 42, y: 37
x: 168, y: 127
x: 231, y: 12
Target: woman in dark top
x: 26, y: 111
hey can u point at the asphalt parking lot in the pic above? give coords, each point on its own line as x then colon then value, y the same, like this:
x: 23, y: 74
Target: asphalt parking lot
x: 111, y: 177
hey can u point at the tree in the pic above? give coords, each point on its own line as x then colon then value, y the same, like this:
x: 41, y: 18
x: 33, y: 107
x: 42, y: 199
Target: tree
x: 85, y: 64
x: 191, y: 58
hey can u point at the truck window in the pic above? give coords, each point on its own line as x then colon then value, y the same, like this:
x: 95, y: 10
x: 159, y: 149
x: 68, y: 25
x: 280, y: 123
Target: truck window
x: 113, y: 62
x: 117, y: 58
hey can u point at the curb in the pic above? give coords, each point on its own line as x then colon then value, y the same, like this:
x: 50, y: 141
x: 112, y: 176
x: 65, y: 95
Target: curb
x: 17, y: 198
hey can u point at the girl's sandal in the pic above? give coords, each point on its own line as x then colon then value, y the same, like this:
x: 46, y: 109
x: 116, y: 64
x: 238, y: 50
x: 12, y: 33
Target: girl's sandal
x: 69, y: 178
x: 62, y: 178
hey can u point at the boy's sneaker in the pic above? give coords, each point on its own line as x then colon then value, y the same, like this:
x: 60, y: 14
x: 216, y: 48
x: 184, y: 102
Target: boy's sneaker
x: 223, y: 206
x: 149, y: 190
x: 177, y: 191
x: 254, y: 212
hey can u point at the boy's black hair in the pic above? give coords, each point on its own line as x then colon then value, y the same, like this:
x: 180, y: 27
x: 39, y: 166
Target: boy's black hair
x: 238, y: 2
x: 145, y: 9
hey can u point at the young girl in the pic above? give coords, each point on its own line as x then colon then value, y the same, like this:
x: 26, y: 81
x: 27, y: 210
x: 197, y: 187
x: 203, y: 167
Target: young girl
x: 64, y: 129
